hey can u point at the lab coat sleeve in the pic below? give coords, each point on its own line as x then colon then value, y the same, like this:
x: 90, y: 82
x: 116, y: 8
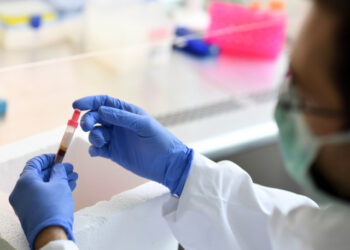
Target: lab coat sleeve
x: 60, y: 245
x: 221, y: 208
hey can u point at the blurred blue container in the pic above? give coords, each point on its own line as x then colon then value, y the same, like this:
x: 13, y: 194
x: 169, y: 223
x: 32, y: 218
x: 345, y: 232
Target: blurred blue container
x: 3, y: 107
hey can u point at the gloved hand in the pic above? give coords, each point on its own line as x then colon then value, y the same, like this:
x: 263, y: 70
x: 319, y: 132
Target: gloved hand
x: 130, y: 137
x: 42, y: 196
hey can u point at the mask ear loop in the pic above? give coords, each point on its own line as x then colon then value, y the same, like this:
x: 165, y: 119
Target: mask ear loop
x: 339, y: 138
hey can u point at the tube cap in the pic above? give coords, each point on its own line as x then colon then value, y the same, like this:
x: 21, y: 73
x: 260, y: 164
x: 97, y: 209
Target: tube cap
x: 256, y: 5
x: 277, y: 5
x: 75, y: 118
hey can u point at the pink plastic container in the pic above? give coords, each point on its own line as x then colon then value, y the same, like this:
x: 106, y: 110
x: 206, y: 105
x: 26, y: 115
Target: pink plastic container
x: 247, y: 32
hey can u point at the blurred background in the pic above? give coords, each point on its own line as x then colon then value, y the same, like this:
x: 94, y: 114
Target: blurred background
x: 35, y: 30
x: 207, y: 70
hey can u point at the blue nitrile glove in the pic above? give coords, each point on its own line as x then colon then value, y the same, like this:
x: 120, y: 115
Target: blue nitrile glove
x: 42, y: 196
x: 130, y: 137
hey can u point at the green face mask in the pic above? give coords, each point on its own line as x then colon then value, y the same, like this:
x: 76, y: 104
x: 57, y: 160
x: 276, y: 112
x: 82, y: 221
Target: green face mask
x: 299, y: 146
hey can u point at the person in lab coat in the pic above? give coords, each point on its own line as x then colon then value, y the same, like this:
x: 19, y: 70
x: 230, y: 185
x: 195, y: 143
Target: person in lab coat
x: 217, y: 205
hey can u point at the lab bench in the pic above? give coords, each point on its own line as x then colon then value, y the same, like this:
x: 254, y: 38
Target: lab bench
x: 197, y: 99
x: 222, y: 107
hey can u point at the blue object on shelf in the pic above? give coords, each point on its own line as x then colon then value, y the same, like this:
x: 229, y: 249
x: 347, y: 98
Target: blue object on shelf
x: 3, y: 106
x: 195, y: 46
x: 35, y: 21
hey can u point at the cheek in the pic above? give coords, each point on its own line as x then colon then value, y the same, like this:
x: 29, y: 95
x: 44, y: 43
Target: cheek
x: 333, y: 162
x: 321, y: 126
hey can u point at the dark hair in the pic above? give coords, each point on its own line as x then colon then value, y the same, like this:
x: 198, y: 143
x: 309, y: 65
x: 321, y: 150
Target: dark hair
x: 341, y: 61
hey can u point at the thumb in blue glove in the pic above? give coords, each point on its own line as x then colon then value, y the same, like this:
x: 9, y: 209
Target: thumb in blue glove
x: 127, y: 135
x: 42, y: 197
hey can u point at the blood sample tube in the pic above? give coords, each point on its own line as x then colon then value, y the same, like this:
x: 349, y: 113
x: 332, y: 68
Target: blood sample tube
x: 68, y: 136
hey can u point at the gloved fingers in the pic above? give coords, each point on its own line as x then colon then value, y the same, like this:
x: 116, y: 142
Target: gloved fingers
x: 99, y: 136
x: 103, y: 152
x: 89, y: 120
x: 68, y: 167
x: 123, y: 119
x: 72, y: 180
x: 73, y: 176
x: 95, y: 102
x: 72, y: 185
x: 38, y: 165
x: 47, y: 172
x: 58, y: 173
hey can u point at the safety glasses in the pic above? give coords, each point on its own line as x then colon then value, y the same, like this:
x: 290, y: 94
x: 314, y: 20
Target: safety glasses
x: 289, y: 99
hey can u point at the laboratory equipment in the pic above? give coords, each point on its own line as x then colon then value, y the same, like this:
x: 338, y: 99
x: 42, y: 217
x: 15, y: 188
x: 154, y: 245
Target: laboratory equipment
x: 3, y: 106
x: 68, y: 5
x: 256, y: 5
x: 68, y: 136
x: 245, y: 31
x: 277, y: 5
x: 20, y: 19
x: 194, y: 46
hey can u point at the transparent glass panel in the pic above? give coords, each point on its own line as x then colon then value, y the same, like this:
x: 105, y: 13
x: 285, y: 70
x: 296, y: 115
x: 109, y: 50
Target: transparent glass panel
x: 117, y: 56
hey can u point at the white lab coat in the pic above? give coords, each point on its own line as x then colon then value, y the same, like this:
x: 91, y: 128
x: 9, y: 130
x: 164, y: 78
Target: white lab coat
x: 221, y: 208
